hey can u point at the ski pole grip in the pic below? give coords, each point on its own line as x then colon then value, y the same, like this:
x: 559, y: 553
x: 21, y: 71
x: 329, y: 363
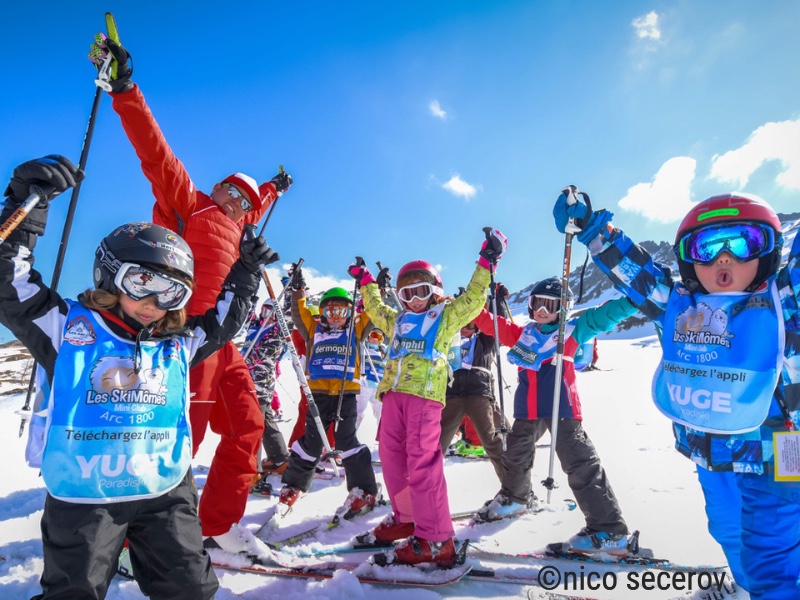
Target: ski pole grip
x: 360, y: 261
x: 488, y: 232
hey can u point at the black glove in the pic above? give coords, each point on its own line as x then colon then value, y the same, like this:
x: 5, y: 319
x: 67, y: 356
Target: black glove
x: 253, y: 251
x: 501, y: 292
x: 282, y: 181
x: 384, y: 278
x: 49, y: 176
x: 297, y: 281
x: 52, y: 174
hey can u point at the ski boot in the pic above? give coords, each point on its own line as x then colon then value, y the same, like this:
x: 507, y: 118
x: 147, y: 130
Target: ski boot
x: 385, y: 533
x: 588, y: 541
x: 269, y: 466
x: 414, y: 551
x: 359, y: 503
x: 503, y: 507
x: 290, y: 495
x: 261, y: 487
x: 468, y: 450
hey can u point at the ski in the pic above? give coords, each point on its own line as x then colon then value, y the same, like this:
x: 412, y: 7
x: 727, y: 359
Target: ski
x: 333, y: 523
x: 644, y: 559
x: 364, y: 542
x: 366, y: 572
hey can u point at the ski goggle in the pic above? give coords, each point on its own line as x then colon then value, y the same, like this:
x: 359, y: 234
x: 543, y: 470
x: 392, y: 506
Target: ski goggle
x: 343, y: 312
x: 422, y: 291
x: 548, y: 303
x: 234, y: 193
x: 139, y: 282
x: 744, y: 241
x: 375, y: 337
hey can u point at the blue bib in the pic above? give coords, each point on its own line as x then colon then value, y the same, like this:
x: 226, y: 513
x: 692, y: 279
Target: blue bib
x: 716, y: 373
x: 113, y: 434
x: 462, y: 353
x: 535, y: 347
x: 327, y: 357
x: 584, y: 355
x: 377, y: 359
x: 415, y: 333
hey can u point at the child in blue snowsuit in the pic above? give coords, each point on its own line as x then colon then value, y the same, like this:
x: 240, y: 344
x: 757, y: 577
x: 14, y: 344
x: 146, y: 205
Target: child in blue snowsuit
x: 729, y: 378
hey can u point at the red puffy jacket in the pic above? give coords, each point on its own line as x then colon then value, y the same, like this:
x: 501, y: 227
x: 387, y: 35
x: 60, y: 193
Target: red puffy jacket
x: 181, y: 207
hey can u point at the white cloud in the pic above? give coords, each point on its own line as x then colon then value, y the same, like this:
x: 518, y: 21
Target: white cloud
x: 436, y: 110
x: 647, y: 27
x: 667, y: 198
x: 316, y: 282
x: 772, y: 141
x: 459, y: 187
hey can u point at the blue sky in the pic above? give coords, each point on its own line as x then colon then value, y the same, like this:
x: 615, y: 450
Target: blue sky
x: 409, y: 126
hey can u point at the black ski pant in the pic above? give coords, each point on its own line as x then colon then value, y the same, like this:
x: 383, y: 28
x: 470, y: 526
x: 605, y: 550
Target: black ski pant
x: 272, y: 440
x: 306, y: 452
x: 579, y: 461
x: 82, y: 542
x: 485, y: 416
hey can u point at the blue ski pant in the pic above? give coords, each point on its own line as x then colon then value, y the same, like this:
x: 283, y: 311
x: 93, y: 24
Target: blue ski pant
x: 756, y: 520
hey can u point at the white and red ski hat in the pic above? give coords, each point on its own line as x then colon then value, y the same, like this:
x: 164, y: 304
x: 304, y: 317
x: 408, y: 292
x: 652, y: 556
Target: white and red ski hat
x: 248, y: 185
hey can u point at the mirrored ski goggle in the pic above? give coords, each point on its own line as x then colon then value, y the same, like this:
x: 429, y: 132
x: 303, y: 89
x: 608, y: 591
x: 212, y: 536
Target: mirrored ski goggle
x: 343, y: 312
x: 375, y: 337
x: 548, y: 303
x: 743, y: 241
x: 139, y: 282
x: 421, y: 291
x: 234, y: 193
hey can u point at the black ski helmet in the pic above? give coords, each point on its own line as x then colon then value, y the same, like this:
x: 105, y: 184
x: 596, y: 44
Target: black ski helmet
x: 143, y: 244
x: 730, y: 207
x: 551, y: 288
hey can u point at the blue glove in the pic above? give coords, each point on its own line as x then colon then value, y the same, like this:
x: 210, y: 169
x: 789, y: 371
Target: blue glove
x: 597, y: 222
x: 563, y: 211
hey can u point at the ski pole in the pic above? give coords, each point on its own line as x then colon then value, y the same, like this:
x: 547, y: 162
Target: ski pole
x: 73, y: 203
x: 271, y: 208
x: 371, y: 364
x: 493, y: 299
x: 350, y: 335
x: 36, y: 195
x: 390, y: 291
x: 570, y: 230
x: 301, y: 376
x: 264, y: 324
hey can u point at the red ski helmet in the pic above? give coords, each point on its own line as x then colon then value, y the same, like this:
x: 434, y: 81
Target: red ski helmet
x: 422, y: 268
x: 730, y: 207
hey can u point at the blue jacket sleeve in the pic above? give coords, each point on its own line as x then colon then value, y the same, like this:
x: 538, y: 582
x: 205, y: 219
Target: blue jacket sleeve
x: 602, y: 318
x: 634, y: 273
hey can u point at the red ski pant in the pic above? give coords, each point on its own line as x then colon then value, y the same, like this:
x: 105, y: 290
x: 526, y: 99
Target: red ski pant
x: 413, y: 466
x: 224, y: 396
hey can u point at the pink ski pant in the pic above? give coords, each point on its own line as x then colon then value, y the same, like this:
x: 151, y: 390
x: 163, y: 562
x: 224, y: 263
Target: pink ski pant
x: 413, y: 466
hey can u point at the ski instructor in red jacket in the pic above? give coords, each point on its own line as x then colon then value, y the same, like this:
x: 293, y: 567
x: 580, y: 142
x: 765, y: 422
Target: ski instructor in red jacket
x: 222, y: 390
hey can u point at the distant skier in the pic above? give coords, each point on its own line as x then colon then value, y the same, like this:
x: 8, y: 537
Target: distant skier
x: 729, y: 375
x: 264, y: 336
x: 533, y: 348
